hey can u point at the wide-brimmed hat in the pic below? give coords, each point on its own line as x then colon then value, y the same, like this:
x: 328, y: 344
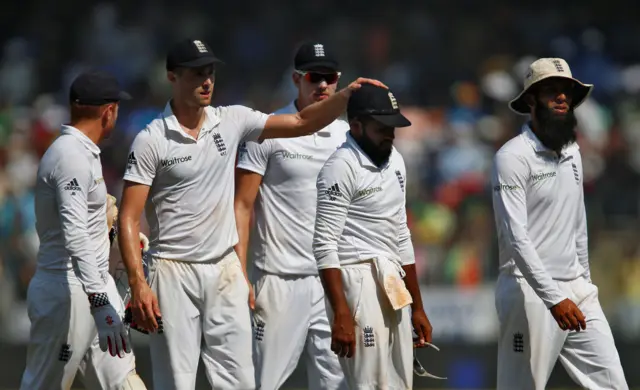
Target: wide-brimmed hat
x: 545, y: 68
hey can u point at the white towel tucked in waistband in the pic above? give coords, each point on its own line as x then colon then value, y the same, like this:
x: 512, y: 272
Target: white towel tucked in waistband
x: 390, y: 274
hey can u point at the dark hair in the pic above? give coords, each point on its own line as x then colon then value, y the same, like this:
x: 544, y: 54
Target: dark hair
x: 79, y: 112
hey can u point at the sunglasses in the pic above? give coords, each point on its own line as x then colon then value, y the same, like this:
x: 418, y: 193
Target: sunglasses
x: 316, y: 77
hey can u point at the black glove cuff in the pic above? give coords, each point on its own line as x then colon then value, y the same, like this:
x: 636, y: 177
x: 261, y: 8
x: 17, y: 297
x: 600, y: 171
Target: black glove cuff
x: 97, y: 300
x: 112, y: 234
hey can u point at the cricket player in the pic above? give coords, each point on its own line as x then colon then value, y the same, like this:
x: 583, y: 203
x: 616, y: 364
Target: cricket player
x: 363, y: 249
x: 290, y: 315
x: 181, y: 166
x: 72, y: 297
x: 546, y: 302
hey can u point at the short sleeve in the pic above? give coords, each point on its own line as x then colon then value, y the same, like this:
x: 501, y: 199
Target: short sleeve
x: 142, y: 160
x: 254, y: 157
x: 251, y: 122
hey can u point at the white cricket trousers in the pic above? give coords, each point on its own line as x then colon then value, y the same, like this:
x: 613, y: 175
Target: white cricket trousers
x: 205, y: 313
x: 531, y: 342
x: 383, y: 358
x: 290, y: 318
x: 62, y: 334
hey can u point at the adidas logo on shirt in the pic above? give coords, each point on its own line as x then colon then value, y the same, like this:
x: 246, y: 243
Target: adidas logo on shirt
x: 333, y: 192
x: 73, y: 185
x: 131, y: 161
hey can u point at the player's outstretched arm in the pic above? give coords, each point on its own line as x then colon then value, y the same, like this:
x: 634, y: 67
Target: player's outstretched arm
x: 247, y: 185
x: 314, y: 117
x: 144, y: 304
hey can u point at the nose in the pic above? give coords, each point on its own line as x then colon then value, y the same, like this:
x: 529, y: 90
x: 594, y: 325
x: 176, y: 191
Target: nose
x: 323, y: 84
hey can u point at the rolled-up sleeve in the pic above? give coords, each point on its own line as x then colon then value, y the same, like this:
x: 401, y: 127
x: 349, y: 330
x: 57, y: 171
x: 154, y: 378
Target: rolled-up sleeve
x: 335, y: 188
x: 509, y: 180
x: 72, y: 180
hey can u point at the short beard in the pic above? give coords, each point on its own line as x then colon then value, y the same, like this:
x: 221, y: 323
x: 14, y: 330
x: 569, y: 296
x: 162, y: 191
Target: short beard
x: 555, y: 131
x: 377, y: 155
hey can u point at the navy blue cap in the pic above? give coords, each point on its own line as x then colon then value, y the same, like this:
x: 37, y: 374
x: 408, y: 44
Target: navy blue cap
x: 95, y: 88
x: 377, y: 103
x: 315, y: 57
x: 190, y: 53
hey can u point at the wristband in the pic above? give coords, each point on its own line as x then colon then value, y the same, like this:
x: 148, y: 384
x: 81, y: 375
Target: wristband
x: 97, y: 300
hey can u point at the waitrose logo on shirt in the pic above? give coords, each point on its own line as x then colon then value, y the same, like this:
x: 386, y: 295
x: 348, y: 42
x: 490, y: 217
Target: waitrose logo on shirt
x: 295, y: 156
x: 175, y: 160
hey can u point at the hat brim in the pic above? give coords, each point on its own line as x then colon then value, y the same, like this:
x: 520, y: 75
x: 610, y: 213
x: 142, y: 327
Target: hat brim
x: 392, y: 120
x: 581, y: 93
x: 200, y: 62
x: 319, y: 66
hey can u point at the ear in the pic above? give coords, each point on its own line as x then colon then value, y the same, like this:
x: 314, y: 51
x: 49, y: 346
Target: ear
x: 296, y: 79
x: 530, y: 99
x: 171, y: 76
x: 356, y: 127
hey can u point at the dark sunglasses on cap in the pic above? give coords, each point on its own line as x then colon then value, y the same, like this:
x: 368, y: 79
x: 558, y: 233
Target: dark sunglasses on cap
x: 317, y: 77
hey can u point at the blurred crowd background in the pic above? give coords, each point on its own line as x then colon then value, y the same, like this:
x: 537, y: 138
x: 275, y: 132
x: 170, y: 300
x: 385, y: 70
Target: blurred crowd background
x: 453, y: 65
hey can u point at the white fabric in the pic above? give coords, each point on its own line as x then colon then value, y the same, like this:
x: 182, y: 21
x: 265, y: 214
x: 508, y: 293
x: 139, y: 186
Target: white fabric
x: 390, y: 275
x: 361, y: 210
x: 60, y: 315
x: 383, y: 357
x: 540, y: 214
x: 285, y: 208
x: 290, y: 323
x: 190, y: 204
x: 70, y: 208
x: 205, y: 314
x: 531, y: 342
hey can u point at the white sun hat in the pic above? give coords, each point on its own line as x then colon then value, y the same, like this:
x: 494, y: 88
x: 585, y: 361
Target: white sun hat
x: 543, y: 69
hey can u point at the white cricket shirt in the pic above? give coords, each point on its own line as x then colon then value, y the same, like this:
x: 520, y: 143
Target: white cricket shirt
x: 70, y: 206
x: 190, y: 203
x: 540, y: 215
x: 361, y: 210
x: 285, y: 208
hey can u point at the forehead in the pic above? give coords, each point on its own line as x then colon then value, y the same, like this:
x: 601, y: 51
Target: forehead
x: 321, y: 69
x: 556, y: 83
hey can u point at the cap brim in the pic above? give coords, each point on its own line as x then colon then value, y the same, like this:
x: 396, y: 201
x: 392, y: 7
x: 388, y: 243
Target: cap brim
x: 319, y: 65
x: 200, y: 62
x: 393, y: 120
x: 582, y: 92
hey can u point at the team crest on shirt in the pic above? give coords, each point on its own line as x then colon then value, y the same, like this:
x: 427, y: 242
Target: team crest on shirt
x: 220, y: 145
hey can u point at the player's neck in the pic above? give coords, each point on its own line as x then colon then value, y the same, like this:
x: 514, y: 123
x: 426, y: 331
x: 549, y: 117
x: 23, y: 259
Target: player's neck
x: 188, y: 116
x: 92, y: 129
x: 299, y: 105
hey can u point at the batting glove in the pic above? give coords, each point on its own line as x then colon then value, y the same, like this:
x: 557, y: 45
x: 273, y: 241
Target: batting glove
x: 112, y: 333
